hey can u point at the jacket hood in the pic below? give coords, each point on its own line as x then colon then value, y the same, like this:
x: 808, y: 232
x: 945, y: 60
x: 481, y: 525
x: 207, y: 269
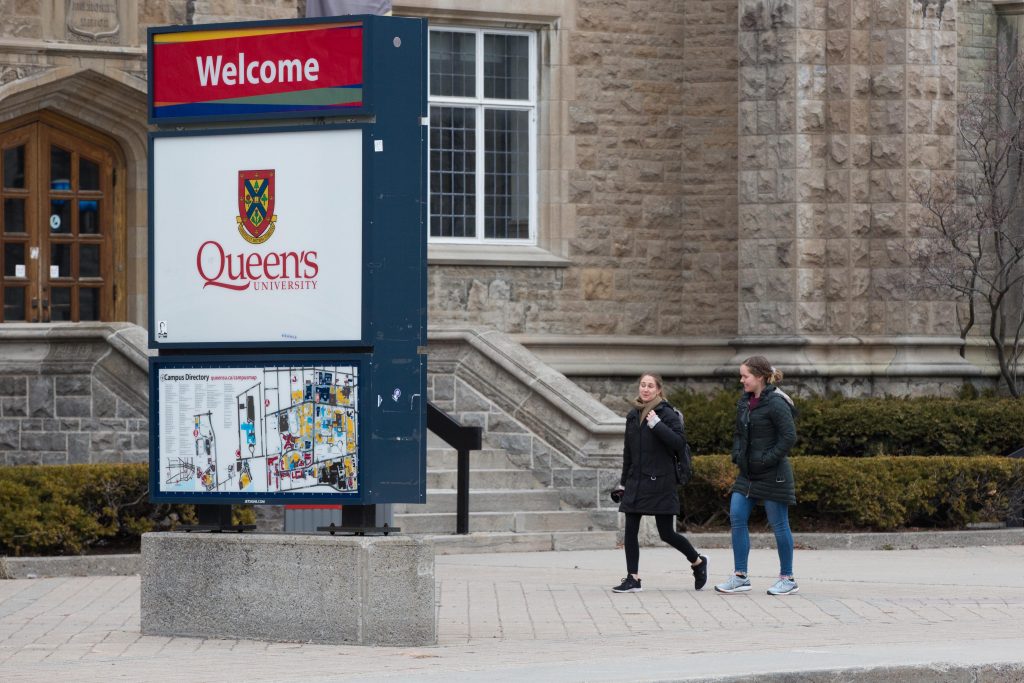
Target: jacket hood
x: 767, y: 392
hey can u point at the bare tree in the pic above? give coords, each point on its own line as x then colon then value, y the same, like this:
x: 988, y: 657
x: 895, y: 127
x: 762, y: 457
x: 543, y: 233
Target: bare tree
x: 973, y: 222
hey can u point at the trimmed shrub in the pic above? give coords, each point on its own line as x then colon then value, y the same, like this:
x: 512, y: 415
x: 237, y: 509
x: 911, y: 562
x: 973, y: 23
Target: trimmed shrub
x: 870, y: 426
x: 880, y: 493
x: 71, y: 509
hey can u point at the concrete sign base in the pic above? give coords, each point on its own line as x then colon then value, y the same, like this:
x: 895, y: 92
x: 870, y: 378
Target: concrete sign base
x: 355, y: 590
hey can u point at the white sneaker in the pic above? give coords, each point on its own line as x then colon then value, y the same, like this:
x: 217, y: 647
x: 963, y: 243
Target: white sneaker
x: 735, y: 584
x: 784, y: 587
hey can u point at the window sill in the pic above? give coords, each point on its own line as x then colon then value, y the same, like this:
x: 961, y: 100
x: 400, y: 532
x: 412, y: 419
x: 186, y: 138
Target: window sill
x: 493, y: 255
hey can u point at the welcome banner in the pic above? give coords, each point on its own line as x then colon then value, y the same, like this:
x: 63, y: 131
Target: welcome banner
x: 301, y: 69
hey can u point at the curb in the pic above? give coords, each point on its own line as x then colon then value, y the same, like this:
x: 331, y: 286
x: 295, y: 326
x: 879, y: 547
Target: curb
x: 71, y: 565
x: 129, y: 564
x: 895, y: 540
x: 913, y: 673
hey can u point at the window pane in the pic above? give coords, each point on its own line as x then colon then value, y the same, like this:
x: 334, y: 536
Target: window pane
x: 507, y: 174
x: 88, y: 216
x: 506, y: 67
x: 60, y: 169
x: 60, y: 217
x: 452, y: 171
x: 89, y: 303
x: 14, y: 166
x: 14, y: 256
x: 60, y: 256
x: 452, y: 64
x: 89, y: 260
x: 14, y: 215
x: 60, y: 304
x: 88, y: 175
x: 14, y: 303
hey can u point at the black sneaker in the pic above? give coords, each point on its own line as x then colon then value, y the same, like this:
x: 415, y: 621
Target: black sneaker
x: 628, y: 585
x: 700, y: 573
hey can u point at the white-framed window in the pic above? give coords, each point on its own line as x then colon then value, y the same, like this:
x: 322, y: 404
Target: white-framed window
x: 483, y: 136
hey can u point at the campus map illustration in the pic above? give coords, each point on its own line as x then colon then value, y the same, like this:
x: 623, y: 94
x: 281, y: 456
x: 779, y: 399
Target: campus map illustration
x: 259, y: 430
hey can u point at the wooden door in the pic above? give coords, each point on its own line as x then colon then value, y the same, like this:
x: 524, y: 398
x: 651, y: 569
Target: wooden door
x: 57, y: 229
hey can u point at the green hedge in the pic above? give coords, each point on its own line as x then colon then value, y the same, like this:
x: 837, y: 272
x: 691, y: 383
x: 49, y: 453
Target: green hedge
x: 870, y: 426
x: 880, y: 493
x: 71, y: 509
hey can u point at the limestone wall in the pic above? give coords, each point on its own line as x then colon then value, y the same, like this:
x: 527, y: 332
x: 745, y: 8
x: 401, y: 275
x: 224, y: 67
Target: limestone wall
x: 73, y: 394
x: 639, y: 179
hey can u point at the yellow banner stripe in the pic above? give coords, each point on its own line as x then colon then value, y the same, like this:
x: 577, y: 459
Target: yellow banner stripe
x: 195, y: 36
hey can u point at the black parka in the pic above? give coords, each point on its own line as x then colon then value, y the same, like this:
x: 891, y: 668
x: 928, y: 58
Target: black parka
x: 648, y: 463
x: 761, y: 443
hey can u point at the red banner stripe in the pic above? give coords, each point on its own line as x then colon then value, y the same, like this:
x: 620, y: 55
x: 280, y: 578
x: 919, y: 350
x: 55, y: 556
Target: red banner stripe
x: 278, y: 63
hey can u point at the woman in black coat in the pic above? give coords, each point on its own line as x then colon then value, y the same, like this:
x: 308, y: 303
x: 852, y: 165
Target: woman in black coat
x: 763, y: 436
x: 654, y: 435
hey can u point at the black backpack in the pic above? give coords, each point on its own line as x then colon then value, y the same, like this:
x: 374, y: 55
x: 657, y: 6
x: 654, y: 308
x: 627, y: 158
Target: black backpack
x: 684, y: 459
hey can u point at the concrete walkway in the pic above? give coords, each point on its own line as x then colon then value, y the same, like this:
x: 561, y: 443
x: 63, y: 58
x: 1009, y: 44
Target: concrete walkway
x: 909, y: 615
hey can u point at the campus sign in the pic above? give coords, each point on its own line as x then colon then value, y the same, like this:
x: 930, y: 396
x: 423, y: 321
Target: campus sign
x: 287, y: 261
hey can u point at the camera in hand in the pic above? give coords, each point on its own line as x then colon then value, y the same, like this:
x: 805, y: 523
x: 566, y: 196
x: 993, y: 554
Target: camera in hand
x: 616, y: 495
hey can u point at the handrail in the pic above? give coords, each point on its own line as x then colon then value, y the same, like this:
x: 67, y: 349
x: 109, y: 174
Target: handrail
x: 463, y: 439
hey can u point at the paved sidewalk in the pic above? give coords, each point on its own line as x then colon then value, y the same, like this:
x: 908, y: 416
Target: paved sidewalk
x: 908, y: 615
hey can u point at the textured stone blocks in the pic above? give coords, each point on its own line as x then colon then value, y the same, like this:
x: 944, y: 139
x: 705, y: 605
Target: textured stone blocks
x: 289, y: 588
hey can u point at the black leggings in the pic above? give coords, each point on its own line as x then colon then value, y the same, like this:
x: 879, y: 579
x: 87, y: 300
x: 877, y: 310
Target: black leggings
x: 665, y: 531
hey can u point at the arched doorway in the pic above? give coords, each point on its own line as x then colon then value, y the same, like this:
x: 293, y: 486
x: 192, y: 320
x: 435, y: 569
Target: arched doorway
x: 61, y: 223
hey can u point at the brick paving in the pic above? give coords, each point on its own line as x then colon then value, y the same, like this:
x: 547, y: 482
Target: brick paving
x: 551, y: 616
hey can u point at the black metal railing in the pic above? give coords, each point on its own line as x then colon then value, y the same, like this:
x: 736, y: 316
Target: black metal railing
x: 463, y: 439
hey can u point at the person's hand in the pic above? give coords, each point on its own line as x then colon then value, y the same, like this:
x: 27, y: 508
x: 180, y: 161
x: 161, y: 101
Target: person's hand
x: 616, y: 494
x: 652, y: 419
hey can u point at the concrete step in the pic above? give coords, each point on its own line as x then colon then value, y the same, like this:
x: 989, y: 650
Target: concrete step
x: 453, y: 544
x: 522, y: 522
x: 448, y: 459
x: 484, y: 479
x: 483, y: 500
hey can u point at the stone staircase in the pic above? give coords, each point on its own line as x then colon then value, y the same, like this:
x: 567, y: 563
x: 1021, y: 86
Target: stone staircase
x: 511, y: 510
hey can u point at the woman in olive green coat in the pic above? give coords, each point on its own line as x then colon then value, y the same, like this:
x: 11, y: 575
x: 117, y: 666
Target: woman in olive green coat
x: 764, y: 434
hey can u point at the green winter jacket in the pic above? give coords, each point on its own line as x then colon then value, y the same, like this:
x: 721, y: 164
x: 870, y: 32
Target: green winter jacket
x: 761, y: 443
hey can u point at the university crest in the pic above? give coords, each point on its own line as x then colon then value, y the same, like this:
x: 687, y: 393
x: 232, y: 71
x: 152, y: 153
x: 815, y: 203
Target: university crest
x: 256, y: 217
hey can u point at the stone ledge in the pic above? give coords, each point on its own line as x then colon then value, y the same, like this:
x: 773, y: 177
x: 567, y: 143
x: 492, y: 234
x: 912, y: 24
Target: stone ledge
x: 543, y: 400
x: 125, y: 565
x: 800, y: 357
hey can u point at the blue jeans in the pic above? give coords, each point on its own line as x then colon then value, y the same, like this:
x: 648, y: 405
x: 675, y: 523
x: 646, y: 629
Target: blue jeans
x: 740, y: 508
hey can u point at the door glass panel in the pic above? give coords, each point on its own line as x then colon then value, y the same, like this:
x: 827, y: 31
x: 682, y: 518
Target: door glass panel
x: 60, y: 256
x: 14, y: 256
x: 88, y: 175
x: 60, y: 169
x: 14, y: 167
x: 60, y: 304
x: 89, y: 260
x: 14, y: 215
x: 14, y: 303
x: 88, y: 216
x: 88, y: 303
x: 60, y: 217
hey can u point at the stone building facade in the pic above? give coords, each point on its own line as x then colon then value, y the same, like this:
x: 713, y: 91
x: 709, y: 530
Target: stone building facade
x: 707, y: 179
